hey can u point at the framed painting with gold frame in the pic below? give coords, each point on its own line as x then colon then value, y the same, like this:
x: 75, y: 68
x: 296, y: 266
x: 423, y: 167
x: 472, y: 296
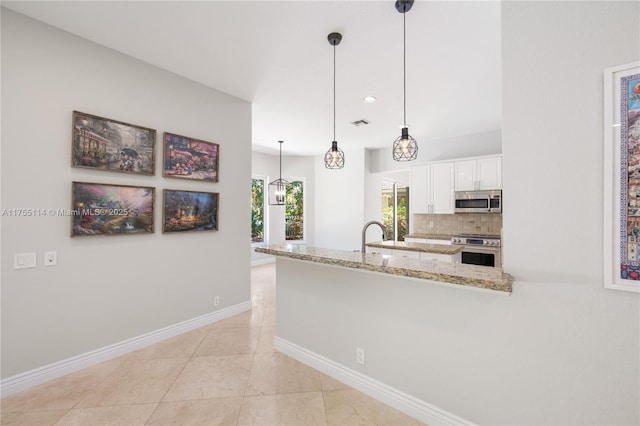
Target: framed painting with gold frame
x: 189, y: 158
x: 110, y: 145
x: 106, y: 209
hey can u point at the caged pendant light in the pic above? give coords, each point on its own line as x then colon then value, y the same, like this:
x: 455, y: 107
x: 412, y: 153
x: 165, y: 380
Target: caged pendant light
x: 334, y: 158
x: 278, y: 188
x: 405, y: 148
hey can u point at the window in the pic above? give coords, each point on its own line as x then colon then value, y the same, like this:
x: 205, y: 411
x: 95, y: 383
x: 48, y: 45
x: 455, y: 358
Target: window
x: 395, y: 200
x: 294, y: 213
x: 257, y: 210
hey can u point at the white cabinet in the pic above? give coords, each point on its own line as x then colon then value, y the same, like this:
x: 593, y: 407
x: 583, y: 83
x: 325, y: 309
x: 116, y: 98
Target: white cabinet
x: 442, y: 196
x: 478, y: 174
x: 432, y: 188
x: 419, y: 202
x: 394, y: 252
x: 449, y: 258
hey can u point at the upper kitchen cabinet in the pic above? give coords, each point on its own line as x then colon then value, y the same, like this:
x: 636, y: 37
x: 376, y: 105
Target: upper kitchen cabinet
x: 478, y: 174
x: 432, y: 188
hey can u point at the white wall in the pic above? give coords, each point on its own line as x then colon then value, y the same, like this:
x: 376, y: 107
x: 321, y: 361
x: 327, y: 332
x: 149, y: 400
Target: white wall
x: 107, y: 289
x: 561, y: 349
x: 340, y: 201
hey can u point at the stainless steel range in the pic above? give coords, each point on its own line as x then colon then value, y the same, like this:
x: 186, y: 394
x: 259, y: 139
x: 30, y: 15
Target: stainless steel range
x: 480, y: 249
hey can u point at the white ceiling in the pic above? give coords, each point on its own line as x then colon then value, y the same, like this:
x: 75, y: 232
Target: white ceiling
x: 275, y: 54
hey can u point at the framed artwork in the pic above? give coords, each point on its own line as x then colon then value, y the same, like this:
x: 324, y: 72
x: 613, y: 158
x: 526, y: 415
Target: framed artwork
x: 189, y: 211
x: 105, y: 144
x: 104, y: 209
x: 189, y: 158
x: 622, y: 177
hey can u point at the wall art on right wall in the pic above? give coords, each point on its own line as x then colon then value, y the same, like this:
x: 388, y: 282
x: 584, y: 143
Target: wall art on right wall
x: 622, y: 177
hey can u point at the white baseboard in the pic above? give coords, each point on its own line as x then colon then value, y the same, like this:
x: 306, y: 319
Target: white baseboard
x: 49, y: 372
x: 414, y: 407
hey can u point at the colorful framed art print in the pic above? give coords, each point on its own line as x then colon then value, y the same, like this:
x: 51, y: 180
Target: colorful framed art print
x: 622, y: 177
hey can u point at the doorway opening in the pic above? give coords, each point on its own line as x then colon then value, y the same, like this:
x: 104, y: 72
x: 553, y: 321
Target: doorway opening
x: 395, y: 210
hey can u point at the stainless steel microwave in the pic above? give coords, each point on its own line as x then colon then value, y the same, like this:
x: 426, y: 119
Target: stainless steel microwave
x: 478, y: 202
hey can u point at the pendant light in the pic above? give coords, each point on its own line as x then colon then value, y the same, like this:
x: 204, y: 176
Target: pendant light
x: 278, y: 188
x: 405, y: 148
x: 334, y: 158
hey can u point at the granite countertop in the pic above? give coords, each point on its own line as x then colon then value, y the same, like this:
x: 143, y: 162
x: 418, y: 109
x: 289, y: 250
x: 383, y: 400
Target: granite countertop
x: 430, y: 236
x: 450, y: 249
x: 481, y: 277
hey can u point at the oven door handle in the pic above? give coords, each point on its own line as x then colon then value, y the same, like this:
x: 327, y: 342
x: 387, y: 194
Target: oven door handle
x: 481, y: 249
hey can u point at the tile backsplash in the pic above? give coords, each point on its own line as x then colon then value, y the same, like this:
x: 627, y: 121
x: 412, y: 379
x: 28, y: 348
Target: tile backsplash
x: 453, y: 224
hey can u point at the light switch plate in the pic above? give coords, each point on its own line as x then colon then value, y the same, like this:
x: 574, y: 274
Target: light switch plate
x: 24, y: 260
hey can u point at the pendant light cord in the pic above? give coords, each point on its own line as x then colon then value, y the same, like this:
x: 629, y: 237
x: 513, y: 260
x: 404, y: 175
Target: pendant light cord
x: 280, y: 161
x: 334, y: 92
x: 404, y: 65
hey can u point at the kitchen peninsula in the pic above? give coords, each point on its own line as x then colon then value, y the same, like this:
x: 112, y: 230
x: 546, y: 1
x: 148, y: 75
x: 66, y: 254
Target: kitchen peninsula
x: 457, y: 274
x: 348, y: 314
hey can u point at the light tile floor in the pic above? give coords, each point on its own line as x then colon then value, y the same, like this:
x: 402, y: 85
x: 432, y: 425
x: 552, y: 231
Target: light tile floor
x: 224, y: 374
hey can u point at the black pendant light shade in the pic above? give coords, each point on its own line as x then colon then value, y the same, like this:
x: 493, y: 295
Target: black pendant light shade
x: 334, y: 158
x: 405, y: 148
x: 278, y: 188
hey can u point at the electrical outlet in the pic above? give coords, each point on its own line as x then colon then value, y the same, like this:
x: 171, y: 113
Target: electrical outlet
x: 50, y: 258
x: 216, y: 301
x: 360, y: 356
x: 430, y: 224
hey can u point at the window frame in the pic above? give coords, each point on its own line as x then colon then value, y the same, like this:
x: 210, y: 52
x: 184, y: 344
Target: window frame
x: 304, y: 212
x: 265, y: 210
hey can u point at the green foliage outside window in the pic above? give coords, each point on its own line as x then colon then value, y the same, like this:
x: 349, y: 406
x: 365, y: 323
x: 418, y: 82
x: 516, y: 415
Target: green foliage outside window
x: 401, y: 212
x: 257, y: 210
x: 294, y: 211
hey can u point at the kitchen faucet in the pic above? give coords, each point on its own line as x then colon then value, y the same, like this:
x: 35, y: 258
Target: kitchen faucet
x: 364, y: 232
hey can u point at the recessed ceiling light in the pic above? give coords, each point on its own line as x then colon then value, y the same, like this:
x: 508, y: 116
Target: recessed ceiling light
x: 369, y: 99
